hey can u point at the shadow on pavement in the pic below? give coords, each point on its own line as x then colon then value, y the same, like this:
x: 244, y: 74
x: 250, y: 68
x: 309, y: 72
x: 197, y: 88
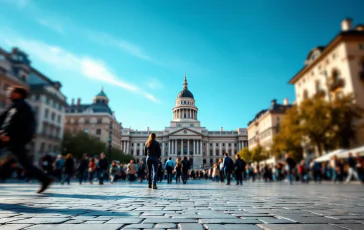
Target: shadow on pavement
x: 19, y: 208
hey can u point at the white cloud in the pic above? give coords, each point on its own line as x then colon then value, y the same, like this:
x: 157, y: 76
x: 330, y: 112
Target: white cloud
x: 107, y: 39
x: 154, y: 83
x: 62, y: 59
x: 53, y: 25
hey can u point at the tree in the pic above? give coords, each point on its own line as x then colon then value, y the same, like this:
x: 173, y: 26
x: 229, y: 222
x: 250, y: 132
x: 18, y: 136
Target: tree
x: 258, y: 154
x: 316, y: 121
x: 290, y: 135
x: 81, y: 143
x: 343, y: 113
x: 245, y: 154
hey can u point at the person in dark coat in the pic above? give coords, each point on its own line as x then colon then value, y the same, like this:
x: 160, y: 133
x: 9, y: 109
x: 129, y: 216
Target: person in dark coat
x: 83, y: 168
x: 239, y: 169
x: 185, y: 167
x: 103, y: 167
x: 17, y: 129
x: 153, y: 152
x: 228, y: 165
x: 69, y: 169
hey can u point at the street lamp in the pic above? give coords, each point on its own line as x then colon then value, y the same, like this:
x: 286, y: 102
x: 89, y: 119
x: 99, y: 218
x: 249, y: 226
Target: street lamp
x: 110, y: 140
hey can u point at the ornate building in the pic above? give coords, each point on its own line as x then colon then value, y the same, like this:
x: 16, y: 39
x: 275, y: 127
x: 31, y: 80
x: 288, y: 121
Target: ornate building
x: 96, y: 119
x: 185, y: 136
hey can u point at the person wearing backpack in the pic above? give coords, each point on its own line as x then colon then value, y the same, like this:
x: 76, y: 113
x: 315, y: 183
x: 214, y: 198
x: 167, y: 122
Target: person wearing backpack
x: 153, y: 152
x: 185, y: 167
x: 169, y: 168
x: 228, y: 167
x: 239, y: 169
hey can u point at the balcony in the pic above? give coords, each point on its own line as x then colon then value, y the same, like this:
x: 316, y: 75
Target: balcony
x: 336, y: 84
x: 320, y: 93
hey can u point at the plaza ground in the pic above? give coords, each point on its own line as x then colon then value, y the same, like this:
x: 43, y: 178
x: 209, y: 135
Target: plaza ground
x: 198, y: 205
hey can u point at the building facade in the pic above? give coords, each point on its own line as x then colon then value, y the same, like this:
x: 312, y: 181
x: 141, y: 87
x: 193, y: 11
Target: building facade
x: 186, y: 137
x: 14, y: 71
x: 45, y: 97
x: 335, y: 69
x: 265, y: 125
x: 96, y: 119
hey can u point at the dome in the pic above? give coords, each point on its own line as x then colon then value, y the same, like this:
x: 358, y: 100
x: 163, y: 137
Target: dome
x: 101, y: 94
x: 185, y: 92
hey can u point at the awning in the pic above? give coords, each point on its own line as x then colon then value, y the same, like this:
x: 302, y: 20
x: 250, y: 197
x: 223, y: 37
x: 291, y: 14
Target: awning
x: 328, y: 156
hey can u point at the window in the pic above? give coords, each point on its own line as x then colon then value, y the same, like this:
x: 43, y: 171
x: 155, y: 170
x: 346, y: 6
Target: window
x: 59, y: 118
x: 217, y: 144
x: 132, y: 144
x: 46, y: 112
x: 210, y: 144
x: 87, y: 121
x: 99, y: 121
x: 42, y: 146
x: 98, y: 131
x: 223, y: 144
x: 305, y: 94
x: 333, y: 56
x: 54, y: 104
x: 318, y: 86
x: 191, y: 125
x: 47, y: 100
x: 138, y: 144
x: 229, y: 144
x: 335, y: 76
x: 23, y: 78
x: 53, y: 116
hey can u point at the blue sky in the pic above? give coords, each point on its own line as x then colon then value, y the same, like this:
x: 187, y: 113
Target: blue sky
x: 237, y: 55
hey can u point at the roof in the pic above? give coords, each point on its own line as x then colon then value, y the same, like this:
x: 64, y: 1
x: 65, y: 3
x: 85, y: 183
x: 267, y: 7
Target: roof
x: 101, y: 94
x: 333, y: 43
x: 185, y: 93
x: 95, y: 107
x: 275, y: 108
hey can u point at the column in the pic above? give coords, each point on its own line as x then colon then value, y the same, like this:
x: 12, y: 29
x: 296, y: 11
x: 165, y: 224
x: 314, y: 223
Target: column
x: 220, y: 148
x: 201, y: 143
x: 227, y: 147
x: 175, y: 146
x: 214, y: 149
x: 190, y: 113
x: 182, y: 147
x: 194, y: 147
x: 163, y: 148
x: 233, y: 148
x: 188, y: 147
x: 169, y: 147
x: 207, y: 149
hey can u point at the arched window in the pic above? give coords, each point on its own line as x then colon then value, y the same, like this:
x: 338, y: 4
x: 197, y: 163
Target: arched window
x: 217, y: 152
x: 138, y: 151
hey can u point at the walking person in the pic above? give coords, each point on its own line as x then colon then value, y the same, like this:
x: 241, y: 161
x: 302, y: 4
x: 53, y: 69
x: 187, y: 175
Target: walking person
x: 59, y: 167
x: 160, y: 170
x: 178, y: 169
x: 153, y: 152
x: 141, y: 171
x: 114, y: 172
x: 239, y: 169
x: 352, y: 168
x: 103, y: 167
x: 215, y: 173
x: 360, y: 167
x: 169, y: 167
x: 91, y: 169
x: 131, y: 170
x: 68, y: 169
x: 82, y: 168
x: 220, y: 164
x: 185, y: 167
x: 291, y: 165
x: 228, y: 167
x: 17, y: 129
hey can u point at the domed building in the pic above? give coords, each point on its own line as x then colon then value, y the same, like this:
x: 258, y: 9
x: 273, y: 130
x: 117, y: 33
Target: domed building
x: 95, y: 119
x: 186, y: 137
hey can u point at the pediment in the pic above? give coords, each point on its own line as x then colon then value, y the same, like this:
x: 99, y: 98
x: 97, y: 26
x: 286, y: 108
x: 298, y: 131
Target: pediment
x: 184, y: 132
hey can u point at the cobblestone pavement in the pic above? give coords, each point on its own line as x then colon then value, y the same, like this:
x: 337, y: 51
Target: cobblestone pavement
x: 195, y: 206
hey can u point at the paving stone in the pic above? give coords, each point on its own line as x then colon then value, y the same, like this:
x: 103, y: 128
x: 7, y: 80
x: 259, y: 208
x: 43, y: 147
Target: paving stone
x: 351, y: 226
x: 138, y: 226
x: 168, y: 220
x: 229, y: 221
x: 14, y: 226
x: 298, y: 227
x: 77, y: 227
x: 191, y: 227
x: 231, y: 227
x: 124, y: 221
x: 166, y: 225
x: 40, y: 221
x: 269, y: 220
